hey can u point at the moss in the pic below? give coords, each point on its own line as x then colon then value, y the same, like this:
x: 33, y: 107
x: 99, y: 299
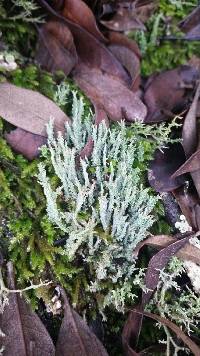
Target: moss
x: 160, y: 54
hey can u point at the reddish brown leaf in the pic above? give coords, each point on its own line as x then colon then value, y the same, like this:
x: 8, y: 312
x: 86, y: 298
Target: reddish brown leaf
x: 124, y: 20
x: 188, y: 252
x: 122, y: 40
x: 191, y: 21
x: 129, y: 60
x: 77, y: 11
x: 56, y: 49
x: 110, y: 94
x: 158, y: 262
x: 29, y: 110
x: 25, y: 335
x: 189, y: 133
x: 163, y: 166
x: 90, y: 50
x: 75, y: 338
x: 132, y: 327
x: 187, y: 202
x: 179, y: 333
x: 167, y: 93
x: 25, y: 142
x: 191, y: 165
x: 190, y: 141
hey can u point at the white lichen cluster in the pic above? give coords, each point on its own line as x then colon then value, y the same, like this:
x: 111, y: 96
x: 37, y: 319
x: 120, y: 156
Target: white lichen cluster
x: 99, y: 203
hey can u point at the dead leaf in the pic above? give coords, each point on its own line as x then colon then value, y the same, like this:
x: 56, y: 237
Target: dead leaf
x: 188, y: 253
x: 25, y: 142
x: 189, y: 133
x: 78, y: 12
x: 168, y: 94
x: 188, y: 201
x: 25, y: 335
x: 75, y: 338
x: 56, y: 49
x: 129, y: 60
x: 179, y: 333
x: 110, y: 94
x: 159, y: 262
x: 89, y: 49
x: 163, y: 166
x: 122, y: 40
x: 29, y: 110
x: 191, y: 165
x: 124, y: 20
x: 191, y: 21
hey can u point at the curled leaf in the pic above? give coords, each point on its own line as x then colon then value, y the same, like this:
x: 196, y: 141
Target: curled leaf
x: 179, y: 333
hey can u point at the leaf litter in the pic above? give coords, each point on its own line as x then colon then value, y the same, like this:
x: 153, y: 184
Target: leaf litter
x: 105, y: 64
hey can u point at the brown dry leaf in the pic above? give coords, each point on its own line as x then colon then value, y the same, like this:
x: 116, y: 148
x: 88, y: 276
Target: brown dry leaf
x: 29, y: 110
x: 189, y: 133
x: 133, y: 325
x: 75, y: 338
x: 189, y: 252
x: 163, y: 166
x: 168, y: 93
x: 191, y: 24
x: 25, y: 335
x: 110, y: 94
x: 190, y: 141
x: 89, y: 49
x: 179, y: 333
x: 78, y: 12
x: 129, y: 60
x: 188, y: 203
x: 25, y: 142
x: 191, y: 165
x: 159, y: 262
x: 124, y: 20
x: 56, y: 49
x: 122, y: 40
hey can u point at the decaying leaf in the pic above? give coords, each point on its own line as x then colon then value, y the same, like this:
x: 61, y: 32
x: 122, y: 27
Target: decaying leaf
x: 188, y: 203
x: 191, y: 165
x: 129, y: 60
x: 25, y: 335
x: 29, y: 110
x: 78, y: 12
x: 122, y: 40
x: 90, y: 50
x: 25, y: 142
x: 163, y: 166
x: 189, y: 133
x: 168, y: 94
x: 188, y: 252
x: 179, y: 333
x: 133, y: 325
x: 75, y: 337
x: 124, y: 20
x: 159, y: 262
x: 191, y: 25
x: 110, y: 94
x: 56, y: 49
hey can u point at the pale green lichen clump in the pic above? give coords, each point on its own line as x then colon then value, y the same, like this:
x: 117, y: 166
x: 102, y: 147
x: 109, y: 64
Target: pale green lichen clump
x: 100, y: 203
